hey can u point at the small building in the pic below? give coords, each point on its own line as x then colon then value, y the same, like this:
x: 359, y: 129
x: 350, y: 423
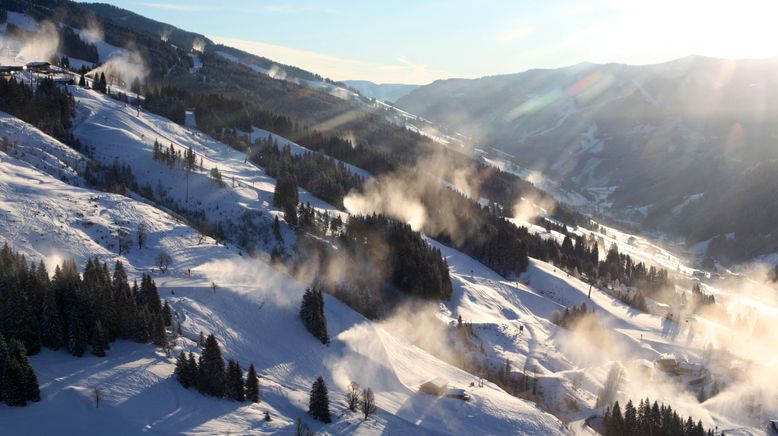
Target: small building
x: 436, y: 386
x: 459, y: 394
x: 39, y: 67
x: 668, y: 363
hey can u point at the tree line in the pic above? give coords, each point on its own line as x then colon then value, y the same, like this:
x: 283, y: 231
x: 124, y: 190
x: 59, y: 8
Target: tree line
x: 45, y: 106
x: 77, y: 311
x: 320, y: 175
x: 480, y: 231
x: 648, y: 420
x: 210, y: 376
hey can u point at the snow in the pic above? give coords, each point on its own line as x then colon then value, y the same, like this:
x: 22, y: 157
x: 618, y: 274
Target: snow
x: 46, y: 212
x: 23, y: 21
x: 105, y: 50
x: 253, y: 313
x: 118, y: 131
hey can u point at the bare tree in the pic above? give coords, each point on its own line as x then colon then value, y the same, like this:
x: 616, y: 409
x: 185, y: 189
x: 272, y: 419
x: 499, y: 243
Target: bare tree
x: 97, y: 394
x: 123, y: 240
x: 163, y: 261
x: 142, y: 231
x: 368, y: 406
x: 352, y: 396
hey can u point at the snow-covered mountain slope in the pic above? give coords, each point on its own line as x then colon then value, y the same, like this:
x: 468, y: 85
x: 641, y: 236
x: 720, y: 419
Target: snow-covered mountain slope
x: 115, y: 130
x: 254, y: 310
x: 253, y: 313
x: 639, y: 143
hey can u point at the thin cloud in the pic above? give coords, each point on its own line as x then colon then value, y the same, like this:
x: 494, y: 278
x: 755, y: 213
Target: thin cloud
x: 404, y: 71
x: 514, y: 34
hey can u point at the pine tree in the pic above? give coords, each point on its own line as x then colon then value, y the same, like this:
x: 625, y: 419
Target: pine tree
x: 630, y: 419
x: 13, y: 384
x: 167, y: 314
x: 157, y: 329
x: 312, y: 314
x: 290, y: 214
x: 319, y: 404
x: 99, y: 340
x: 3, y: 366
x: 29, y: 388
x: 76, y: 334
x: 52, y: 335
x: 148, y: 296
x: 103, y: 84
x: 82, y: 82
x: 616, y: 426
x: 252, y: 385
x: 235, y: 388
x: 211, y: 376
x: 192, y: 370
x: 182, y: 371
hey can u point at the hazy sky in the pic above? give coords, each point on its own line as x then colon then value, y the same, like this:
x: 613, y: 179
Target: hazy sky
x: 417, y: 41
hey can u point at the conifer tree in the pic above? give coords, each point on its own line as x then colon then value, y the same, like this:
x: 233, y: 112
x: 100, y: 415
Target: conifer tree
x: 210, y: 375
x: 252, y: 385
x: 3, y: 366
x: 76, y: 334
x: 192, y: 370
x: 29, y: 383
x: 235, y: 388
x: 167, y: 314
x: 99, y: 340
x: 182, y: 371
x: 319, y: 403
x: 312, y: 313
x: 157, y: 329
x: 52, y: 335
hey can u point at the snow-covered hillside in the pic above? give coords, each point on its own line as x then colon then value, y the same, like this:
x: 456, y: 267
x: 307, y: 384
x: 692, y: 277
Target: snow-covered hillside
x: 253, y: 312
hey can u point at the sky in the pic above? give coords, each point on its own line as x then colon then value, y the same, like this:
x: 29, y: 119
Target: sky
x: 419, y: 41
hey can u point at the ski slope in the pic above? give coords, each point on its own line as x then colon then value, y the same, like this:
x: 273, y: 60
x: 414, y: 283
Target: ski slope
x: 253, y: 313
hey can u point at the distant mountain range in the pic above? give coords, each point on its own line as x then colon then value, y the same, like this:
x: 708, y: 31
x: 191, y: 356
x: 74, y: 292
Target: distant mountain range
x: 688, y: 147
x: 390, y: 92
